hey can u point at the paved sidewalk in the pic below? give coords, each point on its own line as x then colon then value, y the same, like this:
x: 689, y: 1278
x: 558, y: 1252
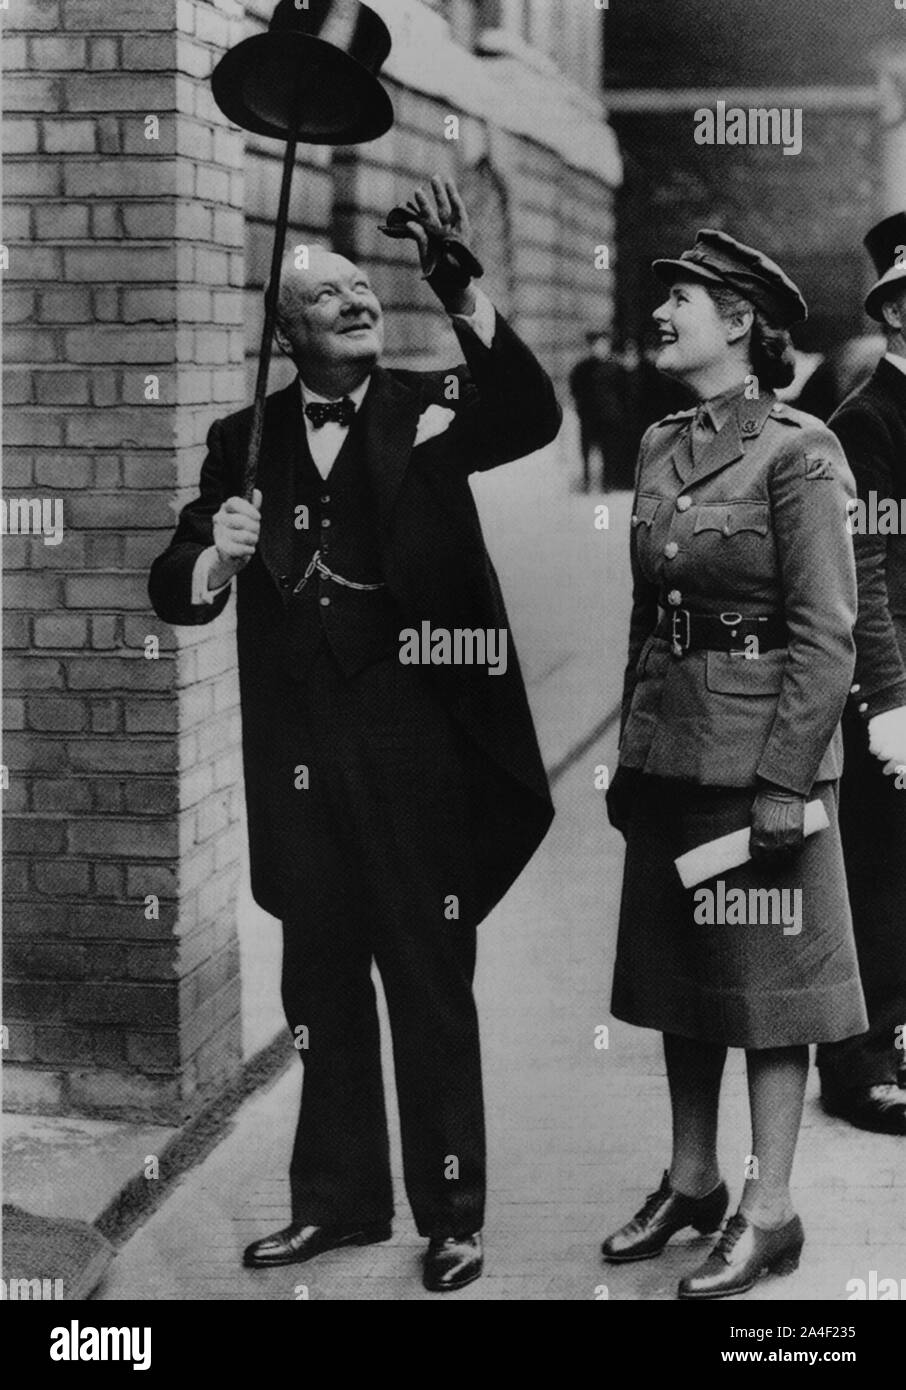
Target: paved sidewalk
x: 554, y: 568
x: 577, y: 1136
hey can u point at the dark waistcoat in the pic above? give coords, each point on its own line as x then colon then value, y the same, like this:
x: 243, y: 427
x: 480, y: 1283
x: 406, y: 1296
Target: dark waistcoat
x: 337, y: 518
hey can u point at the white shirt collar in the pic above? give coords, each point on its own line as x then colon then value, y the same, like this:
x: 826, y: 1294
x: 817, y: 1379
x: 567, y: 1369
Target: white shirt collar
x: 356, y: 396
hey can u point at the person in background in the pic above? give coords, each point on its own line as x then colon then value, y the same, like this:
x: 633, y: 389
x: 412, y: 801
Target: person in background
x: 630, y: 360
x: 598, y: 387
x: 859, y: 1077
x: 837, y: 375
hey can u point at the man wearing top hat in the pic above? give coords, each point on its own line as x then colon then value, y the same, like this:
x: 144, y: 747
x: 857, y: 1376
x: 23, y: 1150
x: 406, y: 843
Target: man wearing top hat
x: 859, y: 1076
x: 390, y: 806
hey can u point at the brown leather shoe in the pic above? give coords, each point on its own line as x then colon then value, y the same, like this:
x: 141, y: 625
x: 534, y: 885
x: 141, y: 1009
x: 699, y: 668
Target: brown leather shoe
x: 298, y: 1242
x: 665, y: 1212
x: 742, y: 1255
x: 451, y: 1262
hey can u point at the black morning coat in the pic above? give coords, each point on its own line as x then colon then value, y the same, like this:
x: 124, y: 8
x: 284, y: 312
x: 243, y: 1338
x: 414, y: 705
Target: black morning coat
x: 871, y: 426
x: 434, y: 563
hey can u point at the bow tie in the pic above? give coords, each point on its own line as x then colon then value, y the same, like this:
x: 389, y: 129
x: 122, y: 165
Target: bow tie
x: 340, y: 412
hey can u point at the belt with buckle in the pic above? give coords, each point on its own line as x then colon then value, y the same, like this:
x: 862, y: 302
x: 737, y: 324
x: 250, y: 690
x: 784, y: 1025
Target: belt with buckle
x: 316, y: 563
x: 687, y: 631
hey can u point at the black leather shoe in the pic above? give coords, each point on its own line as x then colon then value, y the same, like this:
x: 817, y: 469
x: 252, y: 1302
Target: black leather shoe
x: 742, y: 1255
x: 665, y: 1212
x: 452, y: 1262
x: 296, y: 1243
x: 878, y: 1108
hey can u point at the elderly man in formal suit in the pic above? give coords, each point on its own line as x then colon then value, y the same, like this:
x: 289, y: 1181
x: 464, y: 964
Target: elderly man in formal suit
x: 859, y: 1077
x: 390, y: 805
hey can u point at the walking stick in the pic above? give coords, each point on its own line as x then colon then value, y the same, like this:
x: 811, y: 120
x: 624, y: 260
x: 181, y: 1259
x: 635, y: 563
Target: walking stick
x: 312, y: 77
x: 272, y: 298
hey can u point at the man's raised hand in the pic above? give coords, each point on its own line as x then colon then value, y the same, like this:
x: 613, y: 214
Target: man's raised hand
x: 443, y: 234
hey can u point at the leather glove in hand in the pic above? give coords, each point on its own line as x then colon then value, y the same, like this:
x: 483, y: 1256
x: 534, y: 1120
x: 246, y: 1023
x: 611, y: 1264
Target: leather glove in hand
x: 620, y: 797
x: 887, y: 739
x: 443, y: 235
x: 778, y: 825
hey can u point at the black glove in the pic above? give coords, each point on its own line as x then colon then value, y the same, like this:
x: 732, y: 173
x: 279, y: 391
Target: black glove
x: 778, y: 825
x: 447, y: 255
x: 443, y: 236
x: 620, y: 797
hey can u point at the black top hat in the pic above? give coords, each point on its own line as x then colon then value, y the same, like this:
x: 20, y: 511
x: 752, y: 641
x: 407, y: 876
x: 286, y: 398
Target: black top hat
x: 886, y: 244
x: 312, y: 76
x: 719, y: 258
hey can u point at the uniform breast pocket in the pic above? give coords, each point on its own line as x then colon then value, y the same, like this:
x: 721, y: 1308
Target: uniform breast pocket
x: 734, y: 518
x: 740, y: 675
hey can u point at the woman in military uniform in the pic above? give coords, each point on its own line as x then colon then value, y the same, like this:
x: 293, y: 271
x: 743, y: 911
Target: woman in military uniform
x: 740, y: 662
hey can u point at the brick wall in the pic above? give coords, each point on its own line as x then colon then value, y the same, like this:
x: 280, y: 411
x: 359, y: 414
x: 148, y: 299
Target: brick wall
x: 133, y: 258
x: 126, y: 264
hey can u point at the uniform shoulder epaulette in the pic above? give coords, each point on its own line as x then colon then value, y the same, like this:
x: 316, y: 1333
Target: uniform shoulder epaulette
x: 680, y: 415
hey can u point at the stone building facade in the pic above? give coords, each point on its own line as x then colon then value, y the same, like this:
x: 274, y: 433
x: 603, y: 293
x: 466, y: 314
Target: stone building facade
x: 831, y: 60
x: 138, y: 224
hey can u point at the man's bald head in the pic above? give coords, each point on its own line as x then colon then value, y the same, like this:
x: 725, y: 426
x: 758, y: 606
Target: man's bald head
x: 329, y: 319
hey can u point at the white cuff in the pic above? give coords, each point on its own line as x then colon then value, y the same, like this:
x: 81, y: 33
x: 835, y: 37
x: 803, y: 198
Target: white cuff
x: 483, y: 322
x: 200, y: 591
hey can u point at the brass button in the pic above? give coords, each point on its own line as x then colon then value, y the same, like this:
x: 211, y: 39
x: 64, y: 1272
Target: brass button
x: 855, y: 689
x: 635, y: 520
x: 683, y: 504
x: 863, y: 708
x: 674, y: 598
x: 325, y: 500
x: 671, y: 550
x: 325, y: 521
x: 325, y: 603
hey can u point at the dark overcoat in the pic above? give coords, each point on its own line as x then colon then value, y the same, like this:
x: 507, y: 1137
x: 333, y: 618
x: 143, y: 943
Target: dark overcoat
x: 871, y: 426
x: 434, y: 561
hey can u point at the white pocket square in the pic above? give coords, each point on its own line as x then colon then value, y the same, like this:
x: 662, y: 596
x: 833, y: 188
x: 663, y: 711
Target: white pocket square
x: 433, y: 421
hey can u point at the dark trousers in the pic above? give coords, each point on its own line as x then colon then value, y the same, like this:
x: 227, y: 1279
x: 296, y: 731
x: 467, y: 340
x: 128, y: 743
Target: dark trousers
x: 873, y: 831
x: 589, y: 441
x: 381, y: 871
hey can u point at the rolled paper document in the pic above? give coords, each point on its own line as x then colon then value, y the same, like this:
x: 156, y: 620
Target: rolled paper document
x: 730, y: 851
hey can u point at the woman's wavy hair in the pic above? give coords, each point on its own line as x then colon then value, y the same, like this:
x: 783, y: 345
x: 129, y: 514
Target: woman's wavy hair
x: 771, y: 348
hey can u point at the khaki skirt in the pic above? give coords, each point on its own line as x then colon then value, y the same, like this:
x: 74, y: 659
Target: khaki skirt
x: 723, y: 962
